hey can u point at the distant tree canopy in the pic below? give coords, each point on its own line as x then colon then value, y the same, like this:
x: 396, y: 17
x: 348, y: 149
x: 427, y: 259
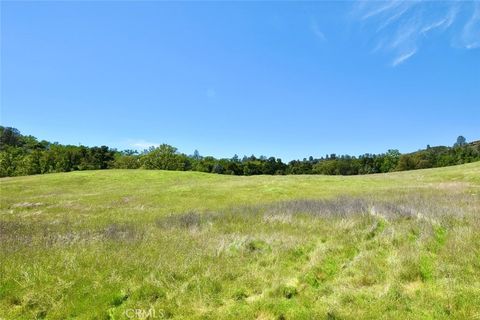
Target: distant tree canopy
x: 164, y: 157
x: 461, y: 141
x: 25, y: 155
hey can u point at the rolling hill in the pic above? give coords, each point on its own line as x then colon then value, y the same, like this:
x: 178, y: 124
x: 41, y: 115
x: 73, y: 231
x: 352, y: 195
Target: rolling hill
x: 190, y: 245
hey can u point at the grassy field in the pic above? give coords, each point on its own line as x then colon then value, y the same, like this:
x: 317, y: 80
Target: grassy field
x: 187, y: 245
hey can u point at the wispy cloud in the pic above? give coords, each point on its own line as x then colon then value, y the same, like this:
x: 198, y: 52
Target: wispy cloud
x: 140, y: 144
x: 434, y: 25
x: 316, y: 30
x: 396, y: 16
x: 404, y: 36
x: 402, y: 26
x: 471, y: 30
x: 403, y: 57
x: 381, y: 8
x: 444, y: 23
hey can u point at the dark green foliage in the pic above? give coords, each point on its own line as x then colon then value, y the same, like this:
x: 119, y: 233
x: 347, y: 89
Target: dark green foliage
x: 165, y: 157
x: 25, y: 155
x: 9, y: 137
x: 257, y: 246
x: 126, y: 161
x: 461, y: 141
x: 285, y: 291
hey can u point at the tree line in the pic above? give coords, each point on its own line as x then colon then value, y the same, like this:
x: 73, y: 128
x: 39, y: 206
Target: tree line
x: 26, y: 155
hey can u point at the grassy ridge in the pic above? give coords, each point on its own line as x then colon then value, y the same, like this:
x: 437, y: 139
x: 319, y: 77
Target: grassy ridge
x: 190, y: 245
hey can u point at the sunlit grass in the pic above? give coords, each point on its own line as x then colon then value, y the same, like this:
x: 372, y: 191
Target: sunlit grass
x: 91, y: 245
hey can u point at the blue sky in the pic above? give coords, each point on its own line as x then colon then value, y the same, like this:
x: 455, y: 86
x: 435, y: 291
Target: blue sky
x: 288, y: 79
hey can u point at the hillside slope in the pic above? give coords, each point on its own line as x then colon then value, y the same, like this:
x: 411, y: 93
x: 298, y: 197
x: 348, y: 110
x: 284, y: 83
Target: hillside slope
x: 170, y: 191
x: 96, y: 244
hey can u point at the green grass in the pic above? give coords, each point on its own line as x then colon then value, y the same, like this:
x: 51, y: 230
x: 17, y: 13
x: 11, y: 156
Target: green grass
x: 95, y: 244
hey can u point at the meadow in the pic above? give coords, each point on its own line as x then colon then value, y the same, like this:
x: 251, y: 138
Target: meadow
x: 190, y: 245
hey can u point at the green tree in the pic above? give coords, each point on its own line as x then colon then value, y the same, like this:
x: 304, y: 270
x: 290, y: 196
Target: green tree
x: 461, y: 141
x: 9, y: 137
x: 126, y: 161
x: 390, y: 160
x: 10, y: 161
x: 164, y: 157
